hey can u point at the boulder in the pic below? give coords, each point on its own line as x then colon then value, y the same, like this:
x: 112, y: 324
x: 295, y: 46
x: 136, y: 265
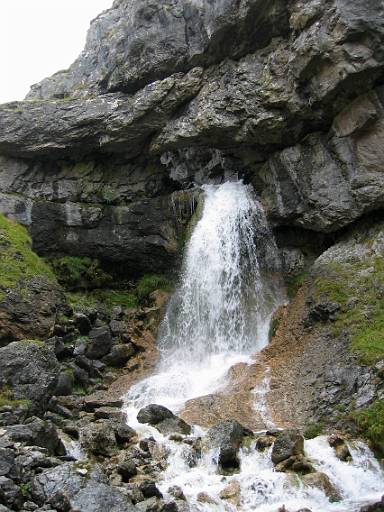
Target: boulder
x: 154, y: 414
x: 99, y: 438
x: 30, y: 370
x: 232, y: 493
x: 227, y: 437
x: 65, y: 384
x: 85, y: 488
x: 150, y: 490
x: 340, y: 446
x: 100, y: 342
x: 37, y: 432
x: 163, y: 419
x: 127, y: 469
x: 119, y: 355
x: 288, y: 443
x: 374, y: 507
x: 10, y: 494
x: 322, y: 482
x: 83, y: 323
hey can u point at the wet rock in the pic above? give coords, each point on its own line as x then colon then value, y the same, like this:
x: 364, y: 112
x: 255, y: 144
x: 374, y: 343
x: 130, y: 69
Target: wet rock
x: 100, y: 342
x: 232, y: 493
x: 150, y: 490
x: 177, y: 492
x: 340, y: 446
x: 123, y: 432
x: 322, y: 482
x: 163, y: 419
x: 288, y: 443
x: 374, y: 507
x: 154, y: 414
x: 227, y: 436
x: 296, y: 463
x: 264, y: 442
x: 203, y: 497
x: 30, y: 370
x: 119, y: 355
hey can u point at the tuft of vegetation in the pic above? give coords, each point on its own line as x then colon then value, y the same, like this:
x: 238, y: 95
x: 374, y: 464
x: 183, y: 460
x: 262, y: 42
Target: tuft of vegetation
x: 105, y: 298
x: 313, y: 430
x: 370, y: 422
x: 7, y: 399
x: 294, y: 283
x: 80, y: 273
x: 18, y: 263
x: 149, y: 283
x: 358, y: 289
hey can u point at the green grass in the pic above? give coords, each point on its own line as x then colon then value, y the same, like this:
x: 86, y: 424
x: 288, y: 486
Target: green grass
x: 107, y: 298
x: 371, y: 424
x: 134, y: 296
x: 358, y: 289
x: 149, y: 283
x: 294, y: 283
x: 313, y: 430
x: 18, y: 263
x: 76, y: 272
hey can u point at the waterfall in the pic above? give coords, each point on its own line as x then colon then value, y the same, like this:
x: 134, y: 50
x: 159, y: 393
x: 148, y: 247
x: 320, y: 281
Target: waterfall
x: 220, y: 313
x: 218, y: 316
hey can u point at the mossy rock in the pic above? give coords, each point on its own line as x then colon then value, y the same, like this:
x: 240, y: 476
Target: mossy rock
x: 18, y: 263
x: 351, y: 275
x: 80, y: 273
x: 29, y: 293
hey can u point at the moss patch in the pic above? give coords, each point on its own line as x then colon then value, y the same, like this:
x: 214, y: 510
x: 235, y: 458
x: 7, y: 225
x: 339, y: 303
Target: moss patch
x: 359, y: 290
x: 18, y: 263
x: 371, y: 424
x: 75, y: 272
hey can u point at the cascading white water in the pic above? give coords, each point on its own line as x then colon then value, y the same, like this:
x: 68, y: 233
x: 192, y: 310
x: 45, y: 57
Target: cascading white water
x: 220, y: 316
x: 221, y: 311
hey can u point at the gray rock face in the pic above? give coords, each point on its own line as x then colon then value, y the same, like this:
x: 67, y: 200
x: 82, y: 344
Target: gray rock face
x: 171, y: 93
x: 135, y: 43
x: 288, y: 443
x: 30, y: 371
x: 227, y: 436
x: 86, y: 490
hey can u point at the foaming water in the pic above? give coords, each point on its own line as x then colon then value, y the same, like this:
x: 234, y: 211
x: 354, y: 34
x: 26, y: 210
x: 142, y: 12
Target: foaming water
x: 221, y: 311
x: 218, y: 317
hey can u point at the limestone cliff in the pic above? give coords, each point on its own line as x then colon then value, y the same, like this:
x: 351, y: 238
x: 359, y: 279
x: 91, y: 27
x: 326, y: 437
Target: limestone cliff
x: 285, y: 94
